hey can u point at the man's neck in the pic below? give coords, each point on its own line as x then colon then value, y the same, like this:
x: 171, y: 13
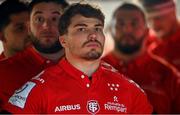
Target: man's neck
x: 87, y: 67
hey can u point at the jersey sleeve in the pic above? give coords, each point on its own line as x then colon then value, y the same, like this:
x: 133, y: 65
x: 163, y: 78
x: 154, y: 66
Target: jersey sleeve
x: 30, y: 98
x: 140, y: 102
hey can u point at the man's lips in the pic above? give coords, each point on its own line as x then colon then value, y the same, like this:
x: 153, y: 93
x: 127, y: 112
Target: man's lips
x: 92, y: 44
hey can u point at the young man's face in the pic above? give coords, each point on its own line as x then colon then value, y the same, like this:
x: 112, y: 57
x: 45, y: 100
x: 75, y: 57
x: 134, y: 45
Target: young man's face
x: 44, y: 22
x: 129, y: 30
x: 84, y: 39
x: 16, y: 33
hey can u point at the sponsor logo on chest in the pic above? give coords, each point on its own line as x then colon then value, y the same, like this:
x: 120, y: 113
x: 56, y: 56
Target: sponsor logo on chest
x: 111, y: 106
x: 67, y: 108
x: 115, y: 106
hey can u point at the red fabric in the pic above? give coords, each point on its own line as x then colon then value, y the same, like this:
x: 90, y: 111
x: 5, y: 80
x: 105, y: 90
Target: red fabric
x: 17, y: 70
x: 158, y: 80
x: 62, y: 89
x: 169, y: 49
x: 126, y: 68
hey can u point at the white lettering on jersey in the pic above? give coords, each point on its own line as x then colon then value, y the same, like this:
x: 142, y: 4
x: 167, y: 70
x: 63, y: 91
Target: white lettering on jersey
x: 19, y: 97
x: 115, y: 107
x: 67, y: 108
x: 93, y: 106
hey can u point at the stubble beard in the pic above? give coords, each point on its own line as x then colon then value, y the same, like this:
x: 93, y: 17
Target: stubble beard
x: 92, y: 55
x: 49, y: 49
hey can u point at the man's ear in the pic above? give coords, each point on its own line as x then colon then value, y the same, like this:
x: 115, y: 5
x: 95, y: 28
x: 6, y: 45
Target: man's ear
x: 62, y: 40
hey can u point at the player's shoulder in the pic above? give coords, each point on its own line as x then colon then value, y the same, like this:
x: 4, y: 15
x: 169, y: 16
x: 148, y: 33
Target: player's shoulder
x: 109, y: 68
x: 111, y: 72
x: 114, y: 75
x: 48, y: 74
x: 37, y: 85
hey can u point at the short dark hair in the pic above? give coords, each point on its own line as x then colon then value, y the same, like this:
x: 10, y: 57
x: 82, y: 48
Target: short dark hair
x: 129, y: 6
x: 85, y: 10
x: 63, y: 3
x: 8, y: 8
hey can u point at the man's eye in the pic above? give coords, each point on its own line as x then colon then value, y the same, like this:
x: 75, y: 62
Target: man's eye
x: 39, y: 20
x: 55, y: 19
x: 81, y: 29
x: 20, y: 28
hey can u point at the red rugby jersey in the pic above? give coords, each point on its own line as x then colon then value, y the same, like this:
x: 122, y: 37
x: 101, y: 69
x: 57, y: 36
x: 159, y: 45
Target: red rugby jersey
x: 169, y: 49
x: 161, y: 84
x: 17, y: 70
x: 168, y: 53
x: 65, y: 89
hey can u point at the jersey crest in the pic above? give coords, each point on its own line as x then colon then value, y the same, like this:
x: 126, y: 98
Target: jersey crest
x: 93, y: 106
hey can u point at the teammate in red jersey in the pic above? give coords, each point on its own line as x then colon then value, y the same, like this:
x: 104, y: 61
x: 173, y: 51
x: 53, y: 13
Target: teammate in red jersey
x: 158, y: 81
x: 46, y: 49
x: 80, y: 83
x: 131, y: 37
x: 163, y: 20
x: 14, y: 18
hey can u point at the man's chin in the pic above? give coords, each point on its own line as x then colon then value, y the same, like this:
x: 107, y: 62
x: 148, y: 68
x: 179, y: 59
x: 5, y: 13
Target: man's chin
x: 93, y: 55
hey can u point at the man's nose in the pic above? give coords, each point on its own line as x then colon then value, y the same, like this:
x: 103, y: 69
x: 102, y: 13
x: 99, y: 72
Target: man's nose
x: 92, y: 36
x: 46, y: 24
x: 127, y: 28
